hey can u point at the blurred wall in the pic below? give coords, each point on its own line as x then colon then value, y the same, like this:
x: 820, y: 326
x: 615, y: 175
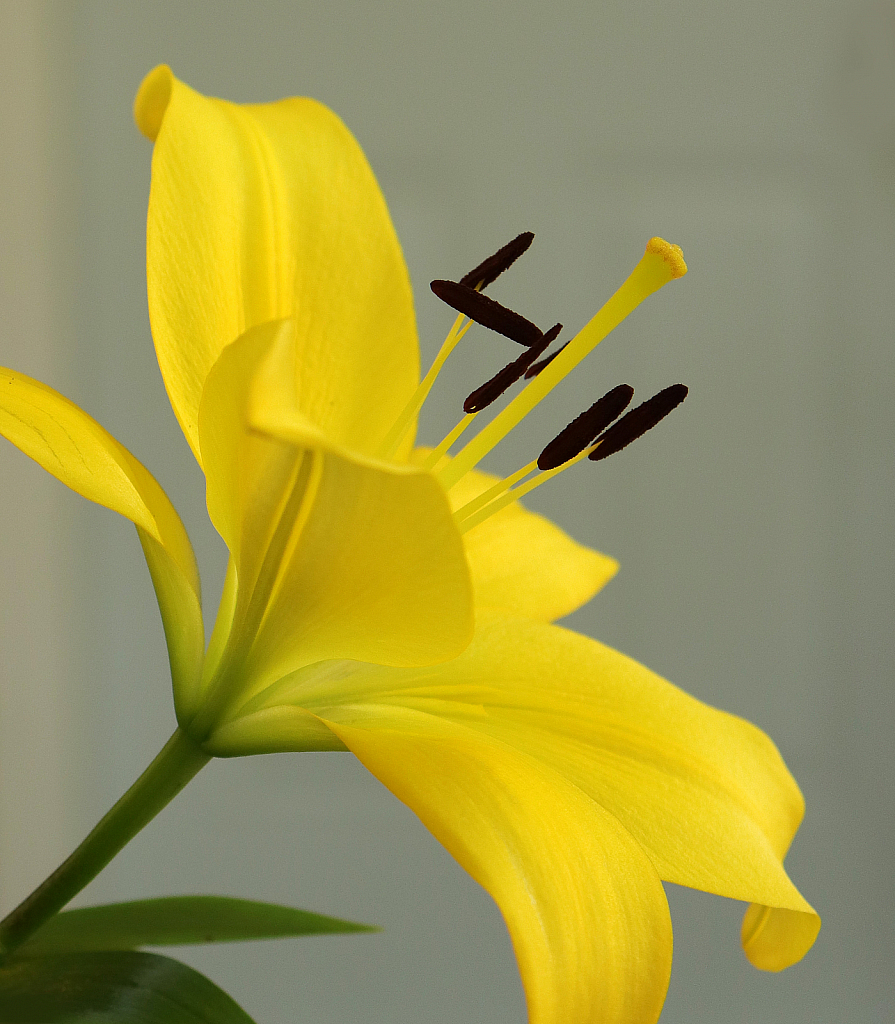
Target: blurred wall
x: 39, y: 711
x: 754, y: 529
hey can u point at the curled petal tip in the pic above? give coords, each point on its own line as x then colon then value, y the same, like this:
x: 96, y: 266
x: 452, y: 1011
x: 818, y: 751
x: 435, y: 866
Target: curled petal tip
x: 152, y: 100
x: 671, y: 254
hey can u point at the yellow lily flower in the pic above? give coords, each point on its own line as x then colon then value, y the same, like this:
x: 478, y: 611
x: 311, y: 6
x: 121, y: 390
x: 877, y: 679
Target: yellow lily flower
x: 399, y: 603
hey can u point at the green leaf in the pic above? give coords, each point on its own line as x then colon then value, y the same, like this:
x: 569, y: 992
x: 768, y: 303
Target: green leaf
x: 111, y: 988
x: 178, y: 921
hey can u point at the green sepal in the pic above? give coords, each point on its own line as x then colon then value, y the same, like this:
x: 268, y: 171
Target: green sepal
x: 178, y: 921
x: 123, y: 987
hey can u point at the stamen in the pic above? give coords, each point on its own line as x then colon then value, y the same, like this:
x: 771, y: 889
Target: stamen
x: 399, y: 428
x: 495, y: 491
x: 491, y: 268
x: 492, y: 389
x: 435, y: 456
x: 584, y: 428
x: 487, y: 312
x: 533, y: 371
x: 614, y: 439
x: 638, y: 421
x: 515, y: 494
x: 660, y: 264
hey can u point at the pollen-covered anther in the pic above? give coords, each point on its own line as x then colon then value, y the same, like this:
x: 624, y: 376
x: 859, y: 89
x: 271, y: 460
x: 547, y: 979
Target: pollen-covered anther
x: 638, y: 421
x: 491, y: 268
x: 584, y: 428
x: 487, y: 312
x: 533, y: 371
x: 492, y: 389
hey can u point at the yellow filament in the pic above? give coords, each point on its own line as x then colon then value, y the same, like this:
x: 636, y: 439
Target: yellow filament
x: 488, y: 496
x: 519, y: 492
x: 661, y: 263
x: 399, y: 428
x: 435, y: 456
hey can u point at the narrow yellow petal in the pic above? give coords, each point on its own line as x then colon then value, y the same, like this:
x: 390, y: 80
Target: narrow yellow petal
x: 269, y: 211
x: 583, y: 905
x: 522, y: 564
x: 75, y: 449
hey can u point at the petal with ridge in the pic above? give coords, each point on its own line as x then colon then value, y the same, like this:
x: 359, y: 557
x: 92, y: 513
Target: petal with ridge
x: 705, y: 794
x: 266, y: 211
x: 583, y: 904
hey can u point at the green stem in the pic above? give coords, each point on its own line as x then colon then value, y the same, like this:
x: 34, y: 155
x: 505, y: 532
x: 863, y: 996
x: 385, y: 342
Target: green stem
x: 177, y: 762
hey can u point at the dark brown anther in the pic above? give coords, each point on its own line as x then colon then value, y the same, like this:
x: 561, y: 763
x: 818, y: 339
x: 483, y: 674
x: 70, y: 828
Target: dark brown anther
x: 487, y: 312
x: 490, y: 269
x: 533, y: 371
x: 551, y: 336
x: 492, y: 389
x: 584, y: 428
x: 638, y: 421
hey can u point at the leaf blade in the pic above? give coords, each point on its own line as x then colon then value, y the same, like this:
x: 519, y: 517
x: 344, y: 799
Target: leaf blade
x: 179, y: 921
x: 122, y: 987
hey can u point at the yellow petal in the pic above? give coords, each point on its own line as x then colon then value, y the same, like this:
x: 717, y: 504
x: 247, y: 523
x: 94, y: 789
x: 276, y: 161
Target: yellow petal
x: 774, y: 938
x: 247, y: 473
x: 73, y: 447
x: 264, y: 212
x: 272, y: 731
x: 522, y: 564
x: 584, y: 906
x: 375, y: 573
x: 354, y: 558
x: 705, y: 794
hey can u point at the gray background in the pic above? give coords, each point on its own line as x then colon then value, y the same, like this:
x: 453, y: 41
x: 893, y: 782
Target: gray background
x: 754, y: 529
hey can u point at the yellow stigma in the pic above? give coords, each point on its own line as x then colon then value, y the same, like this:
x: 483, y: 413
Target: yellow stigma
x: 660, y: 263
x: 671, y: 255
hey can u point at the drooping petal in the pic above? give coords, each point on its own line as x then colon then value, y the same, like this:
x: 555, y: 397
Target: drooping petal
x: 522, y: 564
x: 774, y: 938
x: 269, y: 211
x: 705, y: 794
x: 583, y: 904
x: 75, y: 449
x: 352, y: 557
